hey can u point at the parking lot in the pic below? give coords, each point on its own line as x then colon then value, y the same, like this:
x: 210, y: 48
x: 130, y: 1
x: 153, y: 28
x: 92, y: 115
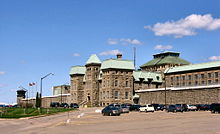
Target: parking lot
x: 87, y: 121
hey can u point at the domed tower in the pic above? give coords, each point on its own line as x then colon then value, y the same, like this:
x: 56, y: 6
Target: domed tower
x: 20, y: 95
x: 91, y: 89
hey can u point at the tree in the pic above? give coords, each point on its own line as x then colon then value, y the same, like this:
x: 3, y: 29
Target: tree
x: 38, y: 100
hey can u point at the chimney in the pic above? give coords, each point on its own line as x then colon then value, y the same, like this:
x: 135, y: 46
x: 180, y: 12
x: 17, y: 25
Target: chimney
x: 119, y: 56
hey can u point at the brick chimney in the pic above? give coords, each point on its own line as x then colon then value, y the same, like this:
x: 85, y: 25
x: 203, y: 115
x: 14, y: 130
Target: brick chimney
x: 119, y: 56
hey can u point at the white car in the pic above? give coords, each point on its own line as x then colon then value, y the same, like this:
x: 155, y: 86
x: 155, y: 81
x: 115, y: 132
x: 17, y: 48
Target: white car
x: 191, y: 107
x: 147, y: 108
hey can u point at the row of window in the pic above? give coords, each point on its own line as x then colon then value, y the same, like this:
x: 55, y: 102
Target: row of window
x: 117, y: 72
x: 196, y: 76
x: 106, y: 95
x: 106, y: 83
x: 196, y: 83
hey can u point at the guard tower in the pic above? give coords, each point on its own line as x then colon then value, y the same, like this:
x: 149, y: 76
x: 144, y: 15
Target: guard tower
x: 20, y: 95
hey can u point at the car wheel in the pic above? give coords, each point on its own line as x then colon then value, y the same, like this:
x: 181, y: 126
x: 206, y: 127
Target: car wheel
x: 174, y: 111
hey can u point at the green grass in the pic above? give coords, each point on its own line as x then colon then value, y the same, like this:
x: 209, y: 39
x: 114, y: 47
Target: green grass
x: 29, y: 112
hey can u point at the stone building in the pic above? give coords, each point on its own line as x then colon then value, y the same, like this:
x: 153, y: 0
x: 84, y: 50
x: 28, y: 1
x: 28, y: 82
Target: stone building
x: 166, y: 79
x: 187, y: 84
x: 111, y: 81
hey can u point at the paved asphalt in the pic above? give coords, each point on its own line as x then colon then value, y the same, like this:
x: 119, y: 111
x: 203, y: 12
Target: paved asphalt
x: 87, y: 121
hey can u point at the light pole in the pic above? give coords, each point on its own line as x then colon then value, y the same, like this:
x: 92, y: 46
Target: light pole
x: 41, y: 79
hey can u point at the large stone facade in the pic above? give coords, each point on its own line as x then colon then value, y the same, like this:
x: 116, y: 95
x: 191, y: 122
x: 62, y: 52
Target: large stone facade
x: 167, y: 79
x: 184, y: 96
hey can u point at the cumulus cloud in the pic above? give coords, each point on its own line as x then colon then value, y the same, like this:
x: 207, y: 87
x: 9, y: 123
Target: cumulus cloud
x: 1, y: 73
x: 214, y: 58
x: 186, y: 26
x: 163, y: 47
x: 124, y: 41
x: 110, y: 52
x: 76, y: 55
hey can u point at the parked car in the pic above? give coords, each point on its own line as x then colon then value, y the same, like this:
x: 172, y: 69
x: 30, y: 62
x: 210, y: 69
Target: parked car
x: 174, y: 108
x: 158, y: 107
x: 191, y: 108
x: 54, y: 104
x: 183, y: 106
x: 215, y: 107
x: 74, y: 105
x: 64, y: 105
x: 146, y: 108
x: 125, y: 108
x: 204, y: 107
x: 110, y: 111
x: 134, y: 107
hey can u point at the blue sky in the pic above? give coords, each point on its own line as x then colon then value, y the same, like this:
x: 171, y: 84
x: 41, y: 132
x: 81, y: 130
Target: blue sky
x: 43, y: 36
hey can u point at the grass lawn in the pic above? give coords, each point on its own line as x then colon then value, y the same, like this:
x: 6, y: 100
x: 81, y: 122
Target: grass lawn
x: 28, y: 112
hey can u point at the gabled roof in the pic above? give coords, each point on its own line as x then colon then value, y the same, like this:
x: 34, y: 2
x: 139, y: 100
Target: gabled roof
x: 117, y: 64
x: 93, y: 59
x: 155, y: 77
x: 193, y: 67
x: 77, y: 70
x: 166, y: 60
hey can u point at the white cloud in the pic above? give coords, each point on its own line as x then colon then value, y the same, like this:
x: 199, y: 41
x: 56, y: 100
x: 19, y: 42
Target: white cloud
x: 110, y: 52
x: 186, y: 26
x: 214, y: 58
x: 113, y: 41
x: 124, y: 41
x: 163, y: 47
x: 1, y: 73
x: 76, y: 55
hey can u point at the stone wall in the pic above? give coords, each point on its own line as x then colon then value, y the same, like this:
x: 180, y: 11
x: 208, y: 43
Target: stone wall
x: 195, y: 96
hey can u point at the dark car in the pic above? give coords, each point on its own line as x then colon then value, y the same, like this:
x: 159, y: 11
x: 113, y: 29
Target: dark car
x: 158, y: 107
x: 215, y: 107
x: 64, y: 105
x: 74, y: 105
x: 54, y: 104
x: 134, y: 107
x: 174, y: 108
x: 183, y: 106
x: 110, y: 111
x: 204, y: 107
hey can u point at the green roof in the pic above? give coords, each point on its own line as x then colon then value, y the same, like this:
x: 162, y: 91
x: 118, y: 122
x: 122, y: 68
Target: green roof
x: 166, y: 60
x: 93, y: 59
x: 193, y: 67
x: 77, y: 70
x: 156, y: 77
x: 117, y: 64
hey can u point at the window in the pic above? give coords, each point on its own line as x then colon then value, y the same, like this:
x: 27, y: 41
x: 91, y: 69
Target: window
x: 171, y: 78
x: 203, y: 82
x: 202, y: 76
x: 189, y: 77
x: 116, y: 83
x: 216, y: 81
x: 177, y: 77
x: 183, y: 83
x: 196, y: 76
x: 216, y: 74
x: 126, y: 95
x: 209, y: 82
x: 183, y: 77
x: 196, y: 83
x: 189, y: 83
x: 177, y: 84
x: 126, y: 83
x: 103, y: 94
x: 108, y: 94
x: 209, y: 75
x: 116, y: 95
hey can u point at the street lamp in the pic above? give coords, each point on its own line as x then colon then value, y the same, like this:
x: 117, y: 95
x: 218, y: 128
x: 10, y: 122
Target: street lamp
x: 41, y: 79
